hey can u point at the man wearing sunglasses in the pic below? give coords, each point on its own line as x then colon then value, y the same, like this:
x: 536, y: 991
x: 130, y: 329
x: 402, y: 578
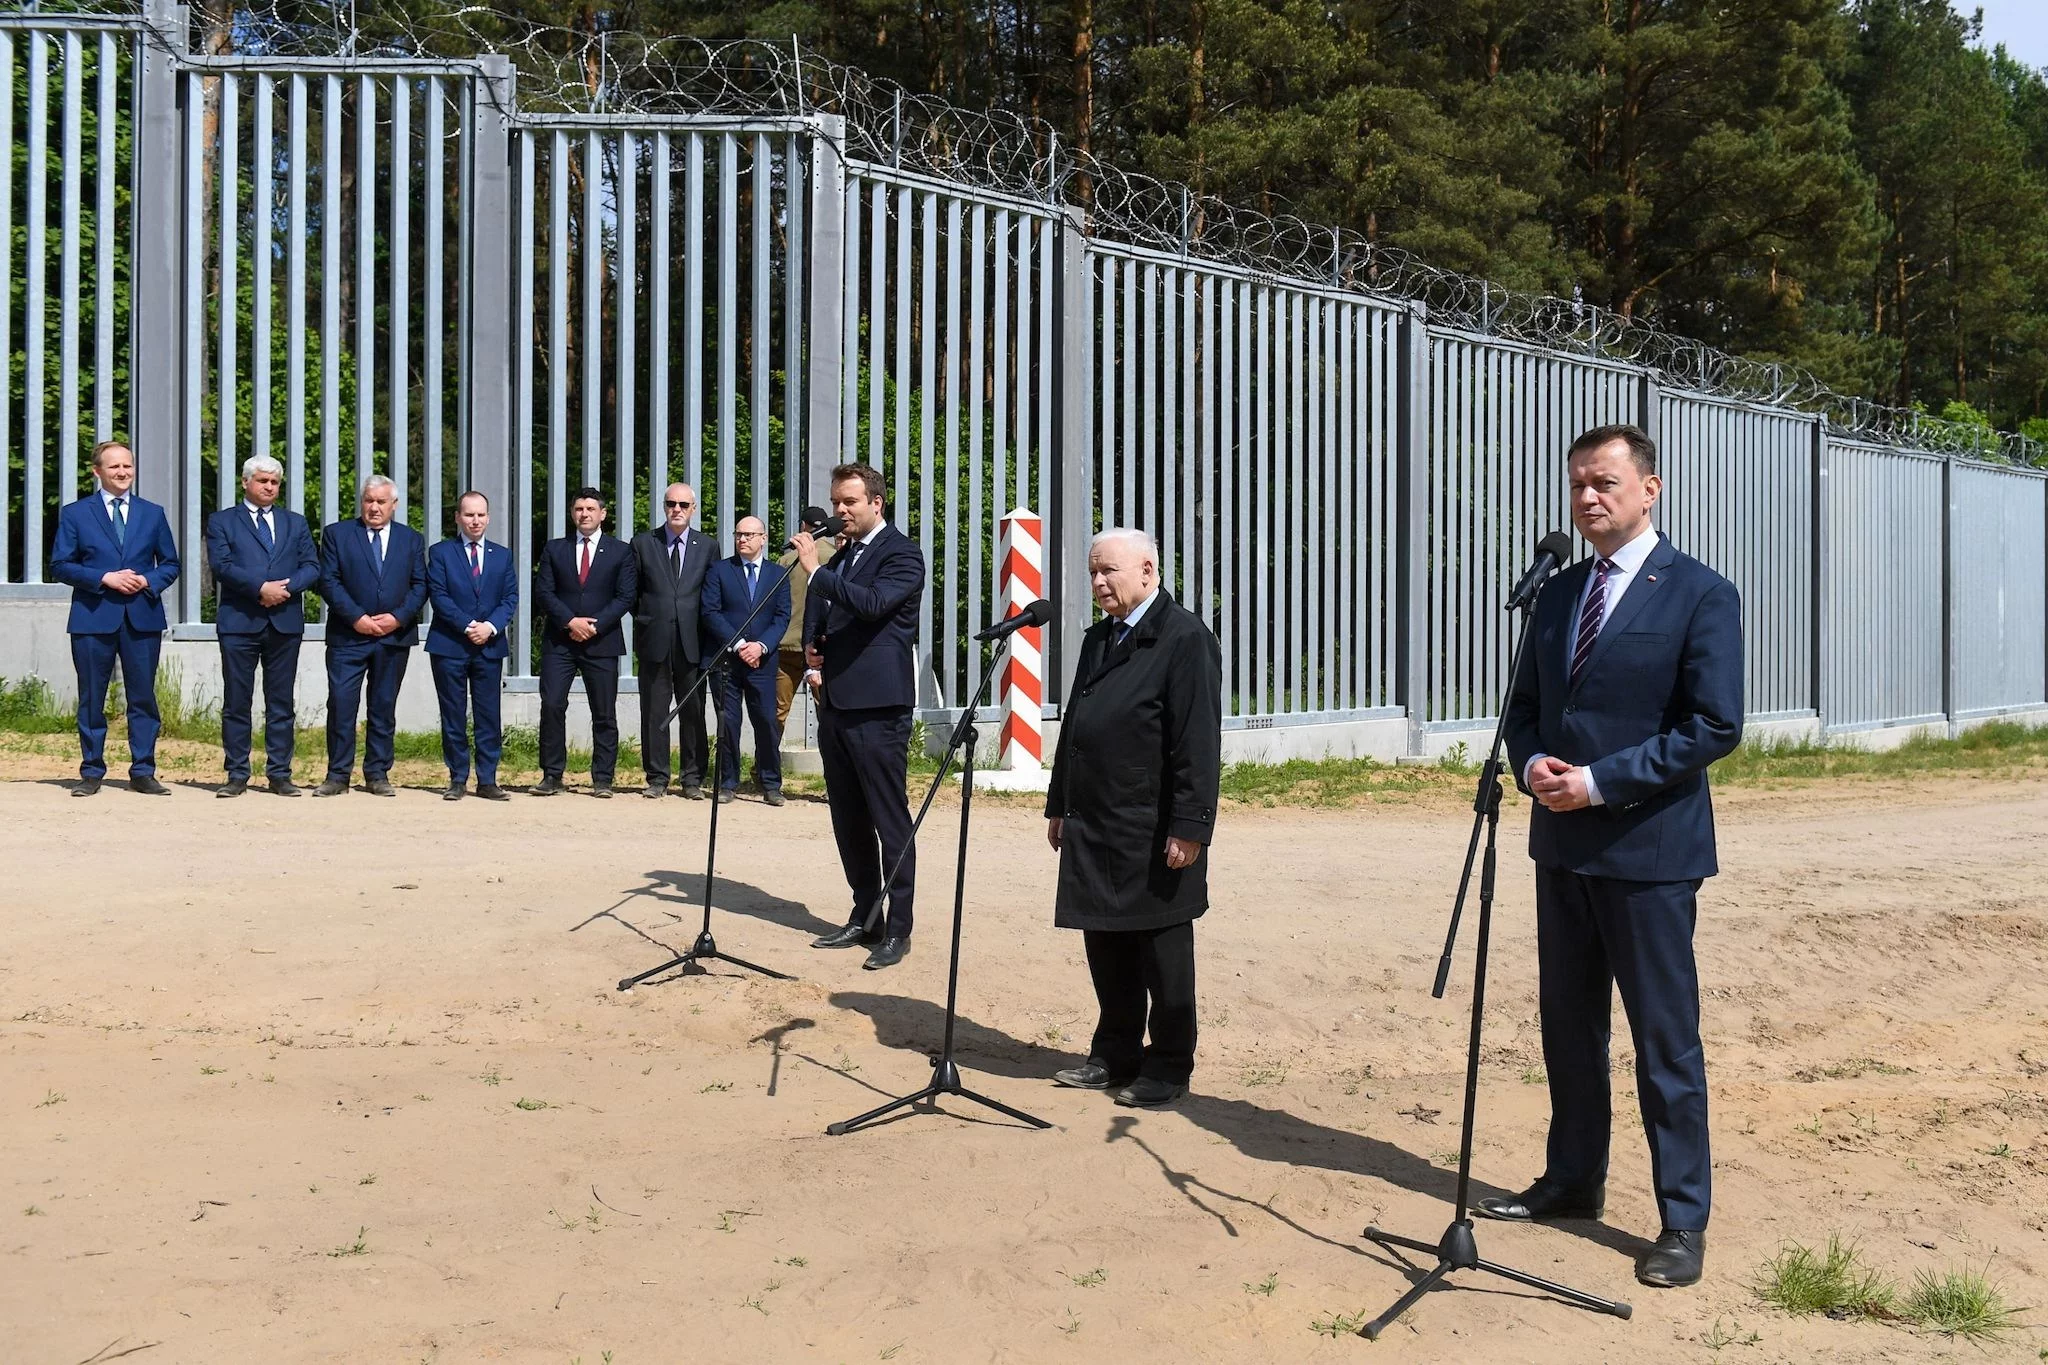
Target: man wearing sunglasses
x: 672, y: 559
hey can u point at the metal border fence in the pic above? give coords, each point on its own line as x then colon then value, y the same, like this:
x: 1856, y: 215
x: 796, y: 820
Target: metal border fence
x: 388, y: 262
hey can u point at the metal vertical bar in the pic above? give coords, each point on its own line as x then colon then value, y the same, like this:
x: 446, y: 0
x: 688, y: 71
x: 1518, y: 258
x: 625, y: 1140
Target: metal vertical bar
x: 157, y: 358
x: 1817, y: 547
x: 105, y: 230
x: 792, y: 333
x: 825, y: 354
x: 977, y: 380
x: 1262, y: 556
x: 1129, y: 361
x: 295, y: 294
x: 954, y: 380
x: 1352, y: 632
x: 878, y: 322
x: 398, y: 250
x: 69, y: 305
x: 999, y: 373
x: 1148, y: 463
x: 693, y: 313
x: 590, y: 248
x: 1110, y: 512
x: 1021, y: 495
x: 227, y: 370
x: 194, y: 361
x: 263, y: 208
x: 520, y: 534
x: 849, y: 405
x: 625, y: 359
x: 1219, y: 303
x: 331, y: 268
x: 35, y: 314
x: 558, y: 334
x: 927, y: 471
x: 1169, y: 411
x: 757, y: 369
x: 1951, y: 653
x: 1071, y: 461
x: 659, y: 264
x: 1243, y: 606
x: 899, y: 503
x: 496, y: 330
x: 1411, y: 492
x: 366, y: 293
x: 1194, y: 558
x: 467, y: 174
x: 728, y: 313
x: 1048, y: 432
x: 1310, y: 552
x: 433, y: 203
x: 7, y: 302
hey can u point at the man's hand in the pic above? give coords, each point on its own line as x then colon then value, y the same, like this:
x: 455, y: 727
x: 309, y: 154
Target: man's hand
x: 813, y: 660
x: 582, y: 628
x: 479, y: 631
x: 806, y: 546
x: 125, y: 581
x: 1054, y: 827
x: 750, y: 653
x: 275, y: 593
x: 369, y: 625
x: 1557, y: 784
x: 1180, y: 852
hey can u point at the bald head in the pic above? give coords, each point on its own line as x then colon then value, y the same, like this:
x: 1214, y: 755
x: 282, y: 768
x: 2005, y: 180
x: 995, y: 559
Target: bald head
x: 678, y: 506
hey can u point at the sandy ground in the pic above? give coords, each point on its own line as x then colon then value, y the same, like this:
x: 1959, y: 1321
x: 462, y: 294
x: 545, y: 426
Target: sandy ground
x: 350, y: 1080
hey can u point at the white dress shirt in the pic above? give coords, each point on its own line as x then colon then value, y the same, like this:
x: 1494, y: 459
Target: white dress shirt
x: 1130, y: 621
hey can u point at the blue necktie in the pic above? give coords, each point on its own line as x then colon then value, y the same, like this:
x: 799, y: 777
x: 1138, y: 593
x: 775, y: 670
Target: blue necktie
x: 120, y: 524
x: 263, y: 530
x: 750, y: 584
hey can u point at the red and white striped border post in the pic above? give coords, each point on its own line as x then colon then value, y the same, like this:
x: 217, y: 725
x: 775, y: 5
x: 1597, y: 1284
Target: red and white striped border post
x: 1020, y: 579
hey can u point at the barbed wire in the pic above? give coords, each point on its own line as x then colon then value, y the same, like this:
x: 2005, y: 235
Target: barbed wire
x: 602, y: 70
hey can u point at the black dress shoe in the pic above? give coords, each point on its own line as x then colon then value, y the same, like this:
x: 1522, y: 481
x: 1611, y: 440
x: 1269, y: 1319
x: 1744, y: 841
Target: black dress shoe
x: 1090, y: 1076
x: 454, y: 792
x: 653, y: 791
x: 379, y: 786
x: 1146, y: 1093
x: 234, y: 786
x: 147, y: 785
x: 602, y: 791
x: 491, y: 791
x: 87, y: 786
x: 1543, y: 1201
x: 773, y: 796
x: 726, y: 795
x: 333, y: 786
x: 284, y: 786
x: 887, y: 953
x: 1678, y: 1259
x: 549, y: 786
x: 692, y: 792
x: 847, y: 936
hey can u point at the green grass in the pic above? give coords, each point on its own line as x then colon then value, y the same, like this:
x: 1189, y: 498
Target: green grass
x: 1961, y: 1303
x: 28, y: 707
x: 1836, y: 1282
x: 1996, y: 746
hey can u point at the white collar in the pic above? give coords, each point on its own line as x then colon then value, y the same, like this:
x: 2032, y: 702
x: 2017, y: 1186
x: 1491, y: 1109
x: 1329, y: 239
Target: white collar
x: 869, y: 538
x: 1632, y: 556
x: 253, y: 510
x: 1132, y: 618
x: 466, y: 541
x: 752, y: 563
x: 107, y: 498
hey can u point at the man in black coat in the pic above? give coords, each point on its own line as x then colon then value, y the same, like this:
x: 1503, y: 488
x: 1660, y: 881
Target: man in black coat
x: 670, y: 561
x: 585, y: 584
x: 860, y: 634
x: 1131, y: 811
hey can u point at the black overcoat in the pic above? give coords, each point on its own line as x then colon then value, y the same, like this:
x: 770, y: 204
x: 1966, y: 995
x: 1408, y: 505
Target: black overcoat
x: 1138, y: 759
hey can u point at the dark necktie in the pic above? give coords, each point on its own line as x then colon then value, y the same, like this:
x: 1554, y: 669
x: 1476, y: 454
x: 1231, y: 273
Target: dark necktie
x: 263, y: 530
x: 377, y: 545
x: 120, y: 524
x: 476, y: 561
x: 853, y: 558
x: 675, y: 559
x: 1123, y: 631
x: 1591, y: 617
x: 750, y: 583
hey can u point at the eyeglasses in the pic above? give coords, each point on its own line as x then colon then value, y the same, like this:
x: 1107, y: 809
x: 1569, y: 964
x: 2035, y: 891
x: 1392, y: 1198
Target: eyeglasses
x: 673, y: 503
x: 748, y: 535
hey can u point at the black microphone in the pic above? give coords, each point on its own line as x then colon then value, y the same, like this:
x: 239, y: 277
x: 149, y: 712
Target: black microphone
x: 1551, y: 551
x: 819, y: 524
x: 1039, y: 613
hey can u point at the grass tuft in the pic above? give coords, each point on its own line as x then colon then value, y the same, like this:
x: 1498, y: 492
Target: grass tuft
x: 1961, y: 1303
x: 1340, y: 1324
x: 1837, y: 1282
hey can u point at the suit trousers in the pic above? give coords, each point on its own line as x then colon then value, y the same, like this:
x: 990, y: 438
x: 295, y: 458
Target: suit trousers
x: 93, y: 656
x: 278, y: 654
x: 866, y: 754
x: 560, y: 666
x: 1593, y: 934
x: 751, y: 689
x: 349, y: 663
x: 466, y: 685
x: 1144, y: 977
x: 660, y: 684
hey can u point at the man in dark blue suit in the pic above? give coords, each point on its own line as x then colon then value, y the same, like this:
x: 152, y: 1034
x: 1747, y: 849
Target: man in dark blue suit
x: 1630, y: 687
x: 263, y: 562
x: 585, y: 584
x: 473, y: 587
x: 733, y: 589
x: 860, y: 632
x: 115, y: 552
x: 373, y: 573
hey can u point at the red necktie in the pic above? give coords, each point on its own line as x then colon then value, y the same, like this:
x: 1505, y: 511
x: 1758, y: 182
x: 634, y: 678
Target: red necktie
x: 583, y: 564
x: 476, y: 562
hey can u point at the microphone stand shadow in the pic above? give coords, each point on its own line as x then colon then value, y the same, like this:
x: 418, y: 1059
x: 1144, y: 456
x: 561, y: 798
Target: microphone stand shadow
x: 706, y: 948
x: 945, y: 1071
x: 1457, y: 1250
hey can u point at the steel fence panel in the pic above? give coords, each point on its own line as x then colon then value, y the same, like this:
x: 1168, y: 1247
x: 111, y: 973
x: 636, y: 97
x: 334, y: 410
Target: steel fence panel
x: 1882, y: 636
x: 2000, y: 573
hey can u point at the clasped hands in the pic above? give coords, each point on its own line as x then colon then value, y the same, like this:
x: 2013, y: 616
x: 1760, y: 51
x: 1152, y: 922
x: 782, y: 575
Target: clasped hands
x: 1558, y: 785
x: 1179, y: 852
x: 124, y: 581
x: 383, y: 623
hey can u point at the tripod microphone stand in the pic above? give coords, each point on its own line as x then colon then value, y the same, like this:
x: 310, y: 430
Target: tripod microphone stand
x: 945, y: 1071
x: 1457, y: 1250
x: 706, y: 949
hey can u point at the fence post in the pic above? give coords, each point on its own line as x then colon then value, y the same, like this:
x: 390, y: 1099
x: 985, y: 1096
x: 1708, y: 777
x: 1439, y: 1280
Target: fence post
x: 1951, y: 692
x: 1411, y: 581
x: 490, y: 332
x: 1073, y: 475
x: 157, y: 367
x: 1649, y: 406
x: 1823, y: 592
x: 824, y: 372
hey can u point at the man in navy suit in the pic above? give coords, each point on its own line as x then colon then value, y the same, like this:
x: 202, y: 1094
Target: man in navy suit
x: 115, y: 552
x: 474, y: 590
x: 373, y: 573
x: 585, y: 584
x: 860, y: 629
x: 263, y: 562
x: 732, y: 590
x: 1630, y: 687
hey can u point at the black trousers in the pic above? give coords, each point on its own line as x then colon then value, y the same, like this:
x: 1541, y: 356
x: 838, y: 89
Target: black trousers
x: 278, y: 653
x: 660, y: 684
x: 866, y: 754
x: 1593, y: 934
x: 1144, y: 977
x: 558, y: 668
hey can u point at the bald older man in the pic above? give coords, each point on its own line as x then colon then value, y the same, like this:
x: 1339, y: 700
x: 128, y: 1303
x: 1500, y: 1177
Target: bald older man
x: 746, y: 602
x: 668, y: 637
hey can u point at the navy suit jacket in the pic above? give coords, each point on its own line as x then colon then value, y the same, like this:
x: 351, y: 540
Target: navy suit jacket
x: 86, y: 551
x: 1660, y: 699
x: 605, y: 599
x: 241, y: 566
x: 353, y: 587
x: 723, y: 607
x: 460, y: 597
x: 864, y: 623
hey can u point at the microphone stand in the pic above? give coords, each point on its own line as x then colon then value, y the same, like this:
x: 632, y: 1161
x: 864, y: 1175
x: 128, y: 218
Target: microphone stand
x: 945, y: 1071
x: 1456, y: 1250
x: 706, y: 949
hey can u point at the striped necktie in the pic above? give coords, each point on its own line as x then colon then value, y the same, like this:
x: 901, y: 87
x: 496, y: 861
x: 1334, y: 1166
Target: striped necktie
x: 1591, y: 617
x: 120, y: 524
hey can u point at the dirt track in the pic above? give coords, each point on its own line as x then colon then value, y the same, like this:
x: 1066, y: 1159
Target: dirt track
x: 233, y: 1034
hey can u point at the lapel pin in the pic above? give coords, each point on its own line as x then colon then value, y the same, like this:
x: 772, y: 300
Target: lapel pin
x: 1652, y: 578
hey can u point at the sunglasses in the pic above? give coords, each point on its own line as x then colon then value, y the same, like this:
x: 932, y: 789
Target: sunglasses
x: 681, y: 504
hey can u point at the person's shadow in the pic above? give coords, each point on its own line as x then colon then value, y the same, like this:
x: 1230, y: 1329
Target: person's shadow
x: 1258, y: 1132
x: 676, y: 900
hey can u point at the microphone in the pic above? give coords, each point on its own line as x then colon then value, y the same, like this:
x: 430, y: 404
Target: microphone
x: 819, y: 524
x: 1551, y: 551
x: 1039, y: 613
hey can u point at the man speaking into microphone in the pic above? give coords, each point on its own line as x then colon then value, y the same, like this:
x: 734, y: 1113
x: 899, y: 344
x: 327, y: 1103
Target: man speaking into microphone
x: 860, y: 638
